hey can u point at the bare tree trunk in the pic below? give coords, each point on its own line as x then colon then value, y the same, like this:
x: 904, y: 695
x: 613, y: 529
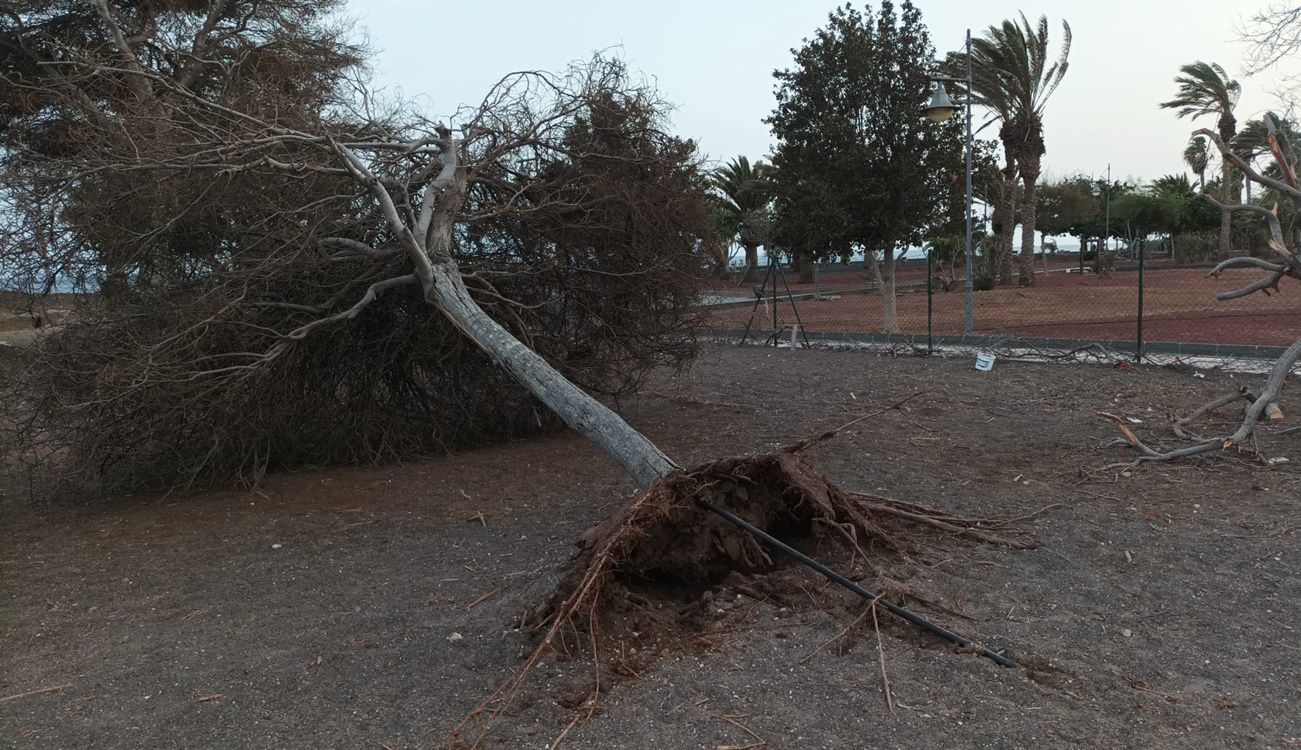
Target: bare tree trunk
x: 1029, y: 217
x: 427, y: 239
x: 640, y: 458
x: 1229, y: 196
x: 1004, y: 219
x: 751, y: 263
x: 889, y: 318
x: 805, y: 263
x: 874, y: 266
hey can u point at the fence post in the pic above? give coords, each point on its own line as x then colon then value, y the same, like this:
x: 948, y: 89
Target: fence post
x: 930, y: 302
x: 1142, y: 255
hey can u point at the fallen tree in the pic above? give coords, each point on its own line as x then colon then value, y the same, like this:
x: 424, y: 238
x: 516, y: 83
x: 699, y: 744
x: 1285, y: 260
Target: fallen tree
x: 277, y: 282
x: 557, y: 191
x: 1282, y: 263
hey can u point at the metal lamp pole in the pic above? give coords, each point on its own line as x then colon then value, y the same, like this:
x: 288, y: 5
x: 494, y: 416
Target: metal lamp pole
x: 941, y: 109
x: 1106, y: 232
x: 968, y: 320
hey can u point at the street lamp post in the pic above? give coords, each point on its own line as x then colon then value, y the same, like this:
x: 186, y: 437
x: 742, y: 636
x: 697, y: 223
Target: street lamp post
x: 942, y: 109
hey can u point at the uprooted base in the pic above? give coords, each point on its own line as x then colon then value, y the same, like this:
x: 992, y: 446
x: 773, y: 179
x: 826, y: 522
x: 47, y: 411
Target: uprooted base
x: 646, y: 574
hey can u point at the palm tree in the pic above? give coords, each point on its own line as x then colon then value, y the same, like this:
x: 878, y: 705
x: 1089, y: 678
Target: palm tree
x: 1197, y: 156
x: 1013, y: 77
x: 744, y: 191
x: 1205, y: 89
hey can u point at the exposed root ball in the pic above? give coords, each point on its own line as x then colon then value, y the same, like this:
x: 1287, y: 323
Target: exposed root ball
x: 664, y: 536
x: 649, y: 569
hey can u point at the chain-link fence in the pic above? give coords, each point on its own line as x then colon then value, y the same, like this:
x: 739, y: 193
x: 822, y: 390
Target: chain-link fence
x: 1162, y: 306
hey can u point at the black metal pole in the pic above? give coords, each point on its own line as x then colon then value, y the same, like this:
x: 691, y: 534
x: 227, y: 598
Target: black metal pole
x: 772, y: 270
x: 1142, y: 254
x: 930, y: 301
x: 835, y: 577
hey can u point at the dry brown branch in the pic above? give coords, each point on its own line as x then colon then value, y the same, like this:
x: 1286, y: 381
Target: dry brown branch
x: 39, y: 691
x: 736, y: 722
x: 1225, y: 400
x: 1285, y: 264
x: 880, y: 652
x: 1268, y: 394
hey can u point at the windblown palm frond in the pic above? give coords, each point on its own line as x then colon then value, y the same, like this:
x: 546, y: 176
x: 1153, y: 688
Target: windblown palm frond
x: 743, y: 187
x: 1204, y: 89
x: 1197, y: 155
x: 1011, y: 73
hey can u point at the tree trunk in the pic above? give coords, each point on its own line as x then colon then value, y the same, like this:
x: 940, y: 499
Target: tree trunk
x: 751, y: 263
x: 639, y: 457
x: 428, y: 243
x: 1005, y: 219
x: 1029, y: 217
x: 1229, y: 192
x: 805, y: 263
x: 889, y: 319
x: 874, y: 266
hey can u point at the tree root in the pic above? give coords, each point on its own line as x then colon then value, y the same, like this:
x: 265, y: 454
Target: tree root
x: 662, y: 547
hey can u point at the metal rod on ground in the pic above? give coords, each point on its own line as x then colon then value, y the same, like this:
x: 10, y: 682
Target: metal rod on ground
x: 835, y: 577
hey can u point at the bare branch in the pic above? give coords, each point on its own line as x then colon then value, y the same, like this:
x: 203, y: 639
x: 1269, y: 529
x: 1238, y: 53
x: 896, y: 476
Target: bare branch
x: 1246, y: 168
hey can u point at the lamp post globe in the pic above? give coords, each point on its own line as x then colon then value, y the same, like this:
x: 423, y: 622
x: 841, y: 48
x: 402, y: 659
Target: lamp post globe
x: 941, y: 108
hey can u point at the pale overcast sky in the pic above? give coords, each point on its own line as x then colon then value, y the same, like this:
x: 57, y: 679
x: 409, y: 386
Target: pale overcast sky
x: 714, y: 60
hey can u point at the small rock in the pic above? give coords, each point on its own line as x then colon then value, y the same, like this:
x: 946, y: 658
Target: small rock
x: 277, y: 546
x: 1126, y: 632
x: 455, y: 638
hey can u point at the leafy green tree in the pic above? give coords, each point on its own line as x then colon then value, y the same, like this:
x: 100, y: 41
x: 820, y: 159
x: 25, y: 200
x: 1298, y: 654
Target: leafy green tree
x: 1014, y: 74
x: 857, y: 165
x: 744, y: 192
x: 1066, y: 204
x: 1206, y: 90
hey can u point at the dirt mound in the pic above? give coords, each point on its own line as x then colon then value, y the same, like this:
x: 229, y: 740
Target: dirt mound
x: 646, y: 575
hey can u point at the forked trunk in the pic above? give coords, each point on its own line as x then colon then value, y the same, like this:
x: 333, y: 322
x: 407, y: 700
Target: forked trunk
x: 874, y: 265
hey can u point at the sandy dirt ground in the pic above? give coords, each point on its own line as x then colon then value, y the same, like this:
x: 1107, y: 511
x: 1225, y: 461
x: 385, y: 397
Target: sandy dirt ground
x: 374, y: 608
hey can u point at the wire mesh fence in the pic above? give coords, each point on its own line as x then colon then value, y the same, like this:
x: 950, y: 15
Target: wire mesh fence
x: 1158, y: 305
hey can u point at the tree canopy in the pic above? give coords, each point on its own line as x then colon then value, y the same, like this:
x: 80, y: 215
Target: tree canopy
x: 265, y: 311
x: 857, y: 164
